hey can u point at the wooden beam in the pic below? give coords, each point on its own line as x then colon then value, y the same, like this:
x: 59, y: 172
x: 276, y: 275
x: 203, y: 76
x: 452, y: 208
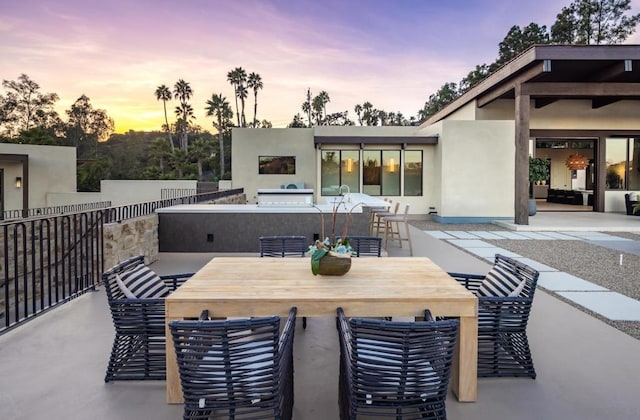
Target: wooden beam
x: 522, y: 111
x: 542, y: 102
x: 604, y: 101
x: 613, y: 71
x: 509, y: 85
x: 554, y: 90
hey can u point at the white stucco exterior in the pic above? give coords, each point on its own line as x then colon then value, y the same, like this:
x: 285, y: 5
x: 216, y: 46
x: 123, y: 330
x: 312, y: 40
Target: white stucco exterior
x: 51, y: 169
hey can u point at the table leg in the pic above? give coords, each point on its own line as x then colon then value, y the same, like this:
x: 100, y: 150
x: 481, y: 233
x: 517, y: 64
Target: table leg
x: 174, y: 390
x: 464, y: 376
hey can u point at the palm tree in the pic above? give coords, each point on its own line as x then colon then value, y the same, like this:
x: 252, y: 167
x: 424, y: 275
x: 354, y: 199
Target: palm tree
x: 358, y: 110
x: 242, y: 94
x: 160, y: 151
x: 183, y: 92
x: 200, y: 150
x: 180, y: 161
x: 218, y: 107
x: 255, y: 82
x: 324, y: 100
x: 306, y: 108
x: 237, y: 77
x: 163, y: 93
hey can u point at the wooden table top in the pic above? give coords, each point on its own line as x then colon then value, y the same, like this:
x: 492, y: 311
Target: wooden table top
x: 253, y: 286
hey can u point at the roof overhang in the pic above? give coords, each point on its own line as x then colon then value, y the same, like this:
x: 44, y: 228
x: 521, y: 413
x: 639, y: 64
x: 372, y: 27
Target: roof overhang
x: 375, y: 140
x: 601, y: 73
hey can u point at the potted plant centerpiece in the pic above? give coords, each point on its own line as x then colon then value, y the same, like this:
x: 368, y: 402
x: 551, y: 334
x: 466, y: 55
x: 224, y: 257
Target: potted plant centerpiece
x: 332, y: 256
x: 538, y: 172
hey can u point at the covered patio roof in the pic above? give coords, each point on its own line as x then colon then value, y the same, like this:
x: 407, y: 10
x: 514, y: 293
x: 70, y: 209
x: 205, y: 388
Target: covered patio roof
x: 544, y: 74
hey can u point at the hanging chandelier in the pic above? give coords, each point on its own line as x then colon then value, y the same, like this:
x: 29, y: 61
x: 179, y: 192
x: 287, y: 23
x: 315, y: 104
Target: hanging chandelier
x: 577, y: 161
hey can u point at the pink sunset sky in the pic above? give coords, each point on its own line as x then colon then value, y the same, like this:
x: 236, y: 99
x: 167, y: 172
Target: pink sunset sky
x: 392, y: 53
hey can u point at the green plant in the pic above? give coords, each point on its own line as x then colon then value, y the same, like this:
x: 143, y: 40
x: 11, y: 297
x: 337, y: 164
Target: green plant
x: 538, y: 169
x: 336, y: 246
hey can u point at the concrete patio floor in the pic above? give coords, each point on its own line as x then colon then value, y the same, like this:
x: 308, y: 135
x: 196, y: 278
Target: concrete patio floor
x: 53, y: 367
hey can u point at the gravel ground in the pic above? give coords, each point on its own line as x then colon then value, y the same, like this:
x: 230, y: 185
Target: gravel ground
x: 593, y: 263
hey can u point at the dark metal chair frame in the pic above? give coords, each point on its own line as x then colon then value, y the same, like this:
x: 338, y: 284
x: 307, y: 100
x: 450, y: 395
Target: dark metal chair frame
x: 399, y: 369
x: 240, y: 368
x: 366, y: 245
x: 138, y: 351
x: 503, y: 346
x: 284, y: 246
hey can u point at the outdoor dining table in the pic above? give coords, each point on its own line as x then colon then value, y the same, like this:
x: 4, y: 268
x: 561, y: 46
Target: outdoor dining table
x: 374, y: 287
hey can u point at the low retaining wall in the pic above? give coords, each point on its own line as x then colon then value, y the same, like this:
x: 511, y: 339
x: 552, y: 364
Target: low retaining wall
x: 139, y: 236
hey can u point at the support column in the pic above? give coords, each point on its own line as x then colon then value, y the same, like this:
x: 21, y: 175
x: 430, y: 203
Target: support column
x: 522, y: 114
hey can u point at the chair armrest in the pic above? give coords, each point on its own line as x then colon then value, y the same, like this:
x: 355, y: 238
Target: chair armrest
x: 137, y: 316
x: 428, y: 316
x: 344, y: 332
x: 286, y: 336
x: 471, y: 282
x: 503, y: 313
x: 173, y: 281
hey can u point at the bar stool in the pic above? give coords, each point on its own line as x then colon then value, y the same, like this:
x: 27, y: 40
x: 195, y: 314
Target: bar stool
x: 373, y: 220
x: 390, y: 221
x: 380, y: 225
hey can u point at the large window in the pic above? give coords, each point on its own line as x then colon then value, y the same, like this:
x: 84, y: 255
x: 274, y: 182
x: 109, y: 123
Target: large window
x: 413, y: 172
x: 623, y: 164
x: 340, y: 168
x: 381, y: 172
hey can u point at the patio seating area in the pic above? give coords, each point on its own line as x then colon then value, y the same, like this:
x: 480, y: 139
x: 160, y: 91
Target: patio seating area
x: 54, y: 366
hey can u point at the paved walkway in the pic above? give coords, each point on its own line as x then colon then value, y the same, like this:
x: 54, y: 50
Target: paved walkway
x: 609, y: 304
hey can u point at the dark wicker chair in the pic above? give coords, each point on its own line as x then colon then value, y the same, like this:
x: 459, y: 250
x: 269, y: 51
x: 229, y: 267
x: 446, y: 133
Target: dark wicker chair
x: 237, y: 368
x: 503, y: 346
x: 138, y: 351
x: 366, y: 245
x: 284, y: 246
x: 395, y: 369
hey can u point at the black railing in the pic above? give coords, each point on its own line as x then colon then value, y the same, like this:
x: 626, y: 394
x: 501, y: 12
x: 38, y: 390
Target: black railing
x: 130, y: 211
x: 46, y: 261
x: 47, y: 211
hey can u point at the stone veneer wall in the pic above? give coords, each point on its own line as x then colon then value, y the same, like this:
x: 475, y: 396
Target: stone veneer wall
x: 139, y: 236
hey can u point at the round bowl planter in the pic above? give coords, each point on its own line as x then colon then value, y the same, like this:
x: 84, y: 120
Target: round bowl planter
x: 334, y: 264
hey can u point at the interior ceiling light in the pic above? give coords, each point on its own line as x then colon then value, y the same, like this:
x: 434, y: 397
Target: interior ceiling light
x: 577, y: 161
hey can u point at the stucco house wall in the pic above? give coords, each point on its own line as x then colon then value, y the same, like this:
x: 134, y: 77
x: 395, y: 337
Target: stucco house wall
x: 248, y: 144
x: 51, y: 169
x: 476, y: 167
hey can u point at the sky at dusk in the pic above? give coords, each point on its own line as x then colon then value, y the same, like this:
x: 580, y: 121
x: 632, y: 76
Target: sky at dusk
x: 392, y: 53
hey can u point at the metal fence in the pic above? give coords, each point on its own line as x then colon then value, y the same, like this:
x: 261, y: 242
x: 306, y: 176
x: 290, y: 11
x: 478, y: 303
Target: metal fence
x: 46, y: 261
x: 45, y: 211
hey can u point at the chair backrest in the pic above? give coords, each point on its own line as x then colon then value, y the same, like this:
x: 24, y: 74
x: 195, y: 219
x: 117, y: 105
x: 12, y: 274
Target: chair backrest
x: 406, y: 213
x: 283, y: 246
x: 366, y: 245
x: 414, y: 358
x: 523, y: 271
x: 233, y: 364
x: 109, y: 276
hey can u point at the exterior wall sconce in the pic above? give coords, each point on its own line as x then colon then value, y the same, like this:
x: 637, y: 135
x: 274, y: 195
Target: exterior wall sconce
x: 349, y: 165
x: 18, y: 182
